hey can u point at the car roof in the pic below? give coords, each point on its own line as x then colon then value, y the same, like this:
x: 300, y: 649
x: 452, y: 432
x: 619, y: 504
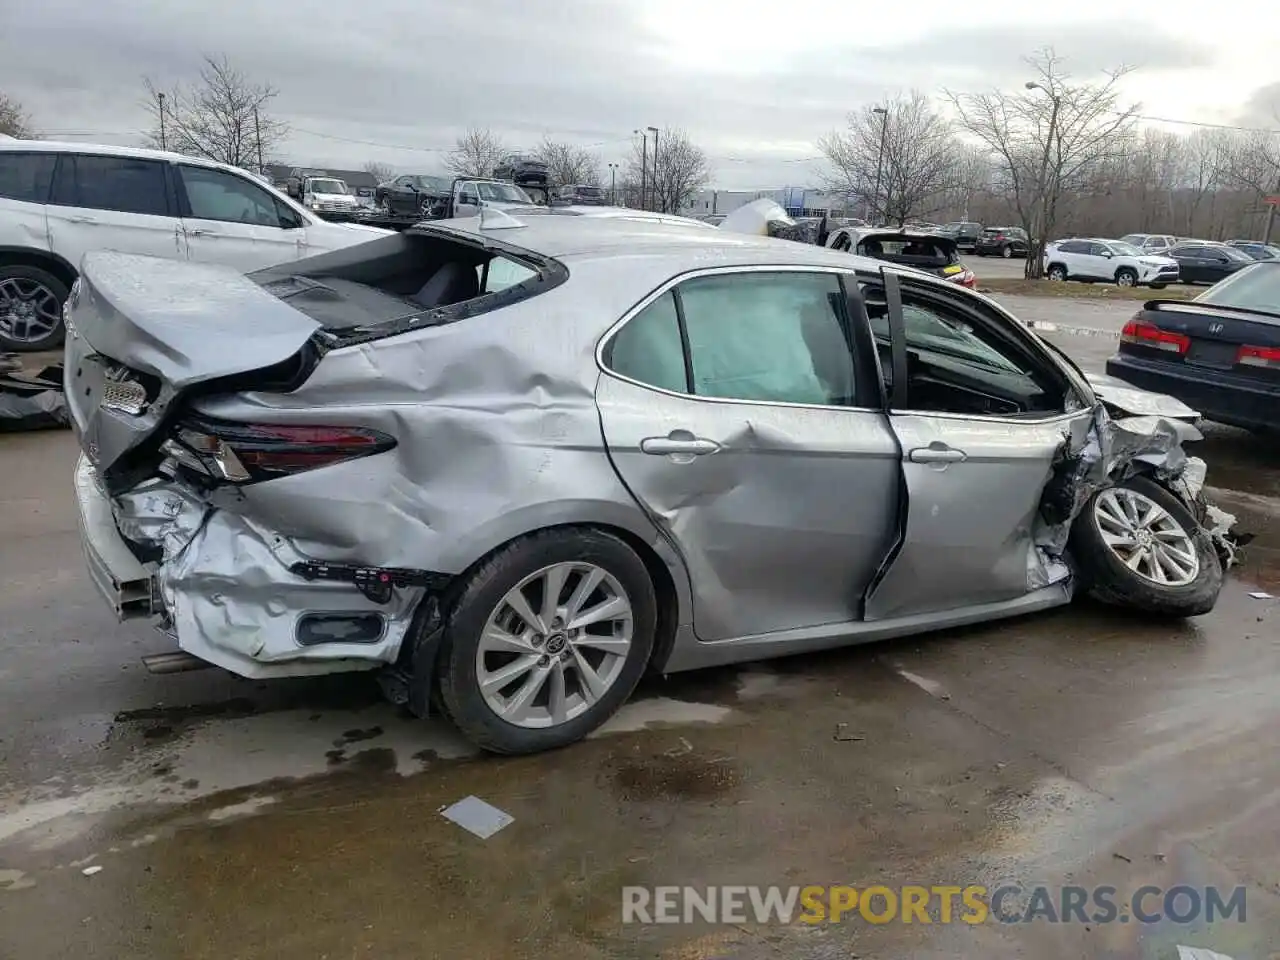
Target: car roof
x: 142, y: 153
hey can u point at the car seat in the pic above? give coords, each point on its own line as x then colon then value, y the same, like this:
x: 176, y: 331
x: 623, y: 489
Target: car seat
x: 452, y: 283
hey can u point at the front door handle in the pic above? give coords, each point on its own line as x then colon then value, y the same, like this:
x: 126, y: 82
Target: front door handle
x: 198, y: 232
x: 82, y: 219
x: 937, y: 452
x: 679, y: 443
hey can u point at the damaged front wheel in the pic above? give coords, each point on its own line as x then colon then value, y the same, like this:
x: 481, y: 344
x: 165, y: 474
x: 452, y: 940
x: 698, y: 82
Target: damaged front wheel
x: 1136, y: 545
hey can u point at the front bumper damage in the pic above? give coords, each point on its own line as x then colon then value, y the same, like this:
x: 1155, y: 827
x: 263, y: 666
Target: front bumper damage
x: 234, y: 593
x: 1107, y: 451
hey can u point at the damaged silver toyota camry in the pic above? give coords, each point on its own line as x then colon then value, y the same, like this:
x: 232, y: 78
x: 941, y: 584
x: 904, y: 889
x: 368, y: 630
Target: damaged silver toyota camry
x: 514, y: 464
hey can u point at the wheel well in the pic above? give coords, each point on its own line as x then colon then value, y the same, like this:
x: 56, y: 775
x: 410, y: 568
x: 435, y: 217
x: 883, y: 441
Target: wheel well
x: 1055, y: 263
x: 14, y: 256
x: 1120, y: 270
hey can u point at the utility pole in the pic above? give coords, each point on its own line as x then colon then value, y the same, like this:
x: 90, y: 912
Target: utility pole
x: 1272, y: 203
x: 257, y: 136
x: 884, y: 129
x: 613, y: 184
x: 163, y: 145
x: 654, y: 178
x: 644, y: 157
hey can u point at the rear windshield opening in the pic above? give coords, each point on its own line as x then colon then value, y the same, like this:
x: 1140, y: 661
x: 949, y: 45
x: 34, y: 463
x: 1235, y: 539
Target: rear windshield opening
x: 416, y: 278
x: 916, y: 252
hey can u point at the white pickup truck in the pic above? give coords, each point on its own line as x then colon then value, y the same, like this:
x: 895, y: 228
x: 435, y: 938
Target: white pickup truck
x: 327, y: 193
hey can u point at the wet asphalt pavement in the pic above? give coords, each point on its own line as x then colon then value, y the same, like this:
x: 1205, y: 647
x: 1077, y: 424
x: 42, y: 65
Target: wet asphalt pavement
x: 241, y: 820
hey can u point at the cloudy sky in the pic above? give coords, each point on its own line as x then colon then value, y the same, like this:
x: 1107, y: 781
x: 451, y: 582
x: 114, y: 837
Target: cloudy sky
x: 754, y: 83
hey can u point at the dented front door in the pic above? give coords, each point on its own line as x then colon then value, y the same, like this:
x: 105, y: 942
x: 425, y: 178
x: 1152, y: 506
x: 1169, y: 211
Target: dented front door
x: 973, y: 482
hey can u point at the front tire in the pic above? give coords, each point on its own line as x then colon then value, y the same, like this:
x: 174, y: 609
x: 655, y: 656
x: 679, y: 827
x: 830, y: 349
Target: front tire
x: 1136, y: 545
x: 1056, y: 271
x: 1126, y: 277
x: 31, y: 302
x: 1006, y: 252
x: 549, y: 637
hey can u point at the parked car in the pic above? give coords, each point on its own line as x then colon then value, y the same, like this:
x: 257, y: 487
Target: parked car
x: 925, y: 251
x: 523, y: 171
x: 520, y: 499
x: 327, y: 193
x: 1110, y: 261
x: 1004, y: 242
x: 1203, y: 262
x: 1220, y: 351
x: 60, y: 200
x: 1149, y: 243
x: 411, y: 194
x: 582, y: 194
x: 964, y: 232
x: 1256, y: 249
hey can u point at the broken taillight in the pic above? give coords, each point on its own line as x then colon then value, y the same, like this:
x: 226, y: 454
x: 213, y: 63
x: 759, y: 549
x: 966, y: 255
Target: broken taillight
x: 1267, y: 357
x: 1149, y: 335
x: 250, y: 452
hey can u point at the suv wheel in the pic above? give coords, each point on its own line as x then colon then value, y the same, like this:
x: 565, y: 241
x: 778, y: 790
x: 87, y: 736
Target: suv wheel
x: 31, y: 302
x: 1056, y: 271
x: 1136, y: 545
x: 547, y: 641
x: 1006, y: 251
x: 1126, y: 277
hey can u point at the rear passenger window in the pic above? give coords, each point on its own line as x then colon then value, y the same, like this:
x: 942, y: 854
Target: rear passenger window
x: 648, y: 348
x: 768, y: 337
x: 123, y: 184
x: 25, y: 176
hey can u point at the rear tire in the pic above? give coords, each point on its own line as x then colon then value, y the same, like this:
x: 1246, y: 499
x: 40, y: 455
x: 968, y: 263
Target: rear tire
x: 31, y: 301
x: 1056, y: 271
x: 1107, y: 577
x: 488, y: 606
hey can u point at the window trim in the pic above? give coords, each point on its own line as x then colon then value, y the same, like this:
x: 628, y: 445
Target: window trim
x: 606, y: 339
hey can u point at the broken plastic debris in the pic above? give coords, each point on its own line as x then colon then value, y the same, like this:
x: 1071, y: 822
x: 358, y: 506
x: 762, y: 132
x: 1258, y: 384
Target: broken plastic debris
x: 90, y: 871
x: 1261, y: 595
x: 843, y: 734
x: 474, y: 815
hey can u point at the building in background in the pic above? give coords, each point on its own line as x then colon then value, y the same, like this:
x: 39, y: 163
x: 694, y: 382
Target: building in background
x: 797, y: 201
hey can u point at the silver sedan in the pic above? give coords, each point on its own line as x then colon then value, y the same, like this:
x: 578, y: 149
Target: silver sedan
x: 511, y: 464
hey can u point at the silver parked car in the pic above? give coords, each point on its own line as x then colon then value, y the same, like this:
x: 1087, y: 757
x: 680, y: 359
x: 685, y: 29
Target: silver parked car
x: 519, y: 462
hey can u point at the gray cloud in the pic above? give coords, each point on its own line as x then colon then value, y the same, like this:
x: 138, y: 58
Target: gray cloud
x: 417, y: 72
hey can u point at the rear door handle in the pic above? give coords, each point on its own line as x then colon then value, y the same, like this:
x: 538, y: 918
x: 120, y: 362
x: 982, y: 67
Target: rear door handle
x: 197, y: 232
x: 937, y: 453
x: 688, y: 446
x: 82, y: 219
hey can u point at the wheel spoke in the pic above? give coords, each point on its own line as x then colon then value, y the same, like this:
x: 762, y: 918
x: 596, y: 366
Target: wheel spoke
x: 614, y: 645
x: 502, y: 677
x: 586, y: 586
x: 518, y: 602
x: 497, y: 640
x: 552, y: 586
x: 593, y: 688
x: 518, y: 706
x: 557, y: 704
x: 612, y: 609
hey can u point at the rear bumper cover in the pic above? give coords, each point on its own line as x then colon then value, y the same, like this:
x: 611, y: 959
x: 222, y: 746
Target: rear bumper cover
x: 224, y: 583
x: 1218, y: 396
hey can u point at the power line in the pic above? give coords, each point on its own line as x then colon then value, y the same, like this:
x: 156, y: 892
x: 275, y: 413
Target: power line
x: 1197, y: 123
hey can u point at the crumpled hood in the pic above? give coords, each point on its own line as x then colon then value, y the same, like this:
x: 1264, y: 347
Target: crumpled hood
x: 1130, y: 400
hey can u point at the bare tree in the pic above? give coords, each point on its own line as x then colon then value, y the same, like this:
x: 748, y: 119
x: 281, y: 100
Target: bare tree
x: 476, y: 153
x: 567, y: 163
x: 1048, y: 139
x: 381, y: 172
x: 674, y: 178
x: 222, y: 117
x: 14, y: 120
x: 895, y: 160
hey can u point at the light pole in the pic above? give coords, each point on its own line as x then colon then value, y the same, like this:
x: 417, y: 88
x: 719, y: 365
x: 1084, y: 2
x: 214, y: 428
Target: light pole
x: 1034, y: 264
x: 644, y: 156
x: 163, y: 145
x: 654, y: 178
x: 613, y: 184
x: 884, y: 129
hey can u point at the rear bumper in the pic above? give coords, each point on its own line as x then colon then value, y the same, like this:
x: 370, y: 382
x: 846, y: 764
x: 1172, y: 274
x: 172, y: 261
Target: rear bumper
x: 225, y: 584
x: 1218, y: 396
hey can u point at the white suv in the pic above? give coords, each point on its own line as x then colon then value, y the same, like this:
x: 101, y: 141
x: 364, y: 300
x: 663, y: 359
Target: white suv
x: 60, y: 200
x: 1111, y: 261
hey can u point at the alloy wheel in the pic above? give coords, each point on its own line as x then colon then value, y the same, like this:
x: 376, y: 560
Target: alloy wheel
x: 554, y: 645
x: 1125, y: 279
x: 1146, y: 537
x: 29, y: 311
